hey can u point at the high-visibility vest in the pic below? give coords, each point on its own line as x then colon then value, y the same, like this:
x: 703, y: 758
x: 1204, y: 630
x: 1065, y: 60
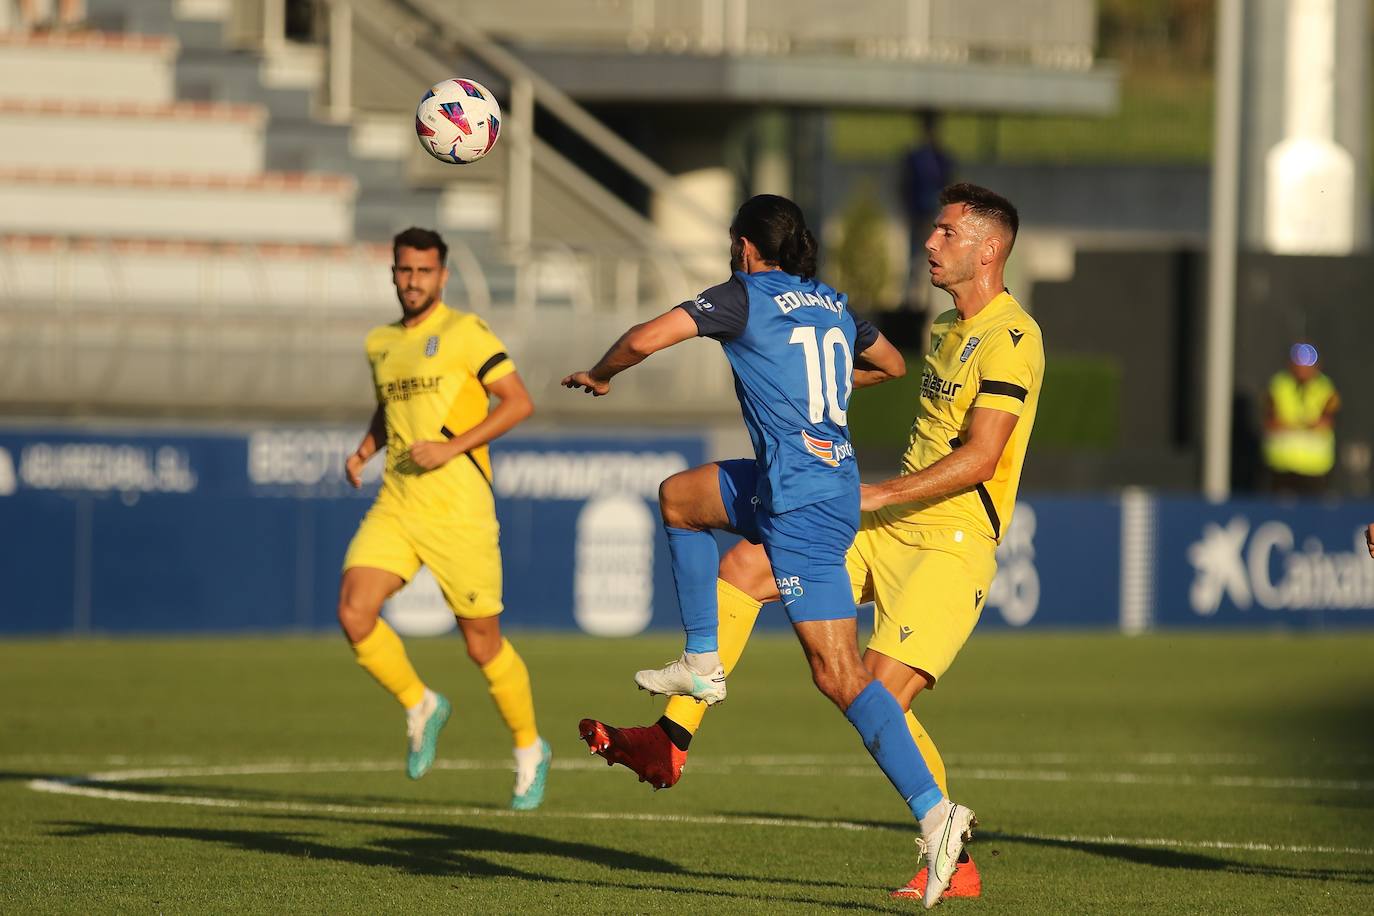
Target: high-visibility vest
x: 1295, y: 447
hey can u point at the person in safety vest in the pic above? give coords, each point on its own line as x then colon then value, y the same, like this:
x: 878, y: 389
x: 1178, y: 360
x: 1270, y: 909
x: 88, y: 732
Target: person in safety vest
x: 1299, y: 425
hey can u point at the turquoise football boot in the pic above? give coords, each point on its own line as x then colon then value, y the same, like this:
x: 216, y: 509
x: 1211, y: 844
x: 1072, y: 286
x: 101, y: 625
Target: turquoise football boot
x: 533, y: 794
x: 422, y: 734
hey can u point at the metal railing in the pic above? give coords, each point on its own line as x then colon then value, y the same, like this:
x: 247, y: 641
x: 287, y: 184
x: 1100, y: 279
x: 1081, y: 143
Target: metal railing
x: 1050, y: 33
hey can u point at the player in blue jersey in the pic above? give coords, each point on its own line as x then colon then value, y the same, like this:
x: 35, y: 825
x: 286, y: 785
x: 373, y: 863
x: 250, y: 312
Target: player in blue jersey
x: 791, y: 342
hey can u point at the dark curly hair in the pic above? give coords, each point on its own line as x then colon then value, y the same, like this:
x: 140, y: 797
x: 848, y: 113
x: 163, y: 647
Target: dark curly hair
x: 421, y: 240
x: 778, y: 230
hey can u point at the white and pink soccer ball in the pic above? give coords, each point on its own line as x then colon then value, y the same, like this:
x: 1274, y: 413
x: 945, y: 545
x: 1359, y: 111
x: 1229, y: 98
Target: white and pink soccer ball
x: 458, y: 121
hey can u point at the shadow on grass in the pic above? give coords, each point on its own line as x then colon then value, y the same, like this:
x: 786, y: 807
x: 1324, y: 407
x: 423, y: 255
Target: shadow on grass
x: 461, y: 850
x: 248, y: 794
x: 1155, y: 856
x: 1160, y: 857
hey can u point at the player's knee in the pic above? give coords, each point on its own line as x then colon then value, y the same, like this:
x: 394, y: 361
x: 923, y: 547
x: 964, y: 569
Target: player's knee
x: 356, y: 616
x: 749, y: 572
x: 483, y: 651
x: 672, y: 502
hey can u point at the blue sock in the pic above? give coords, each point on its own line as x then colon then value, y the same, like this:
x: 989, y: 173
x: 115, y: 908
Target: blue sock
x: 695, y: 559
x: 879, y: 720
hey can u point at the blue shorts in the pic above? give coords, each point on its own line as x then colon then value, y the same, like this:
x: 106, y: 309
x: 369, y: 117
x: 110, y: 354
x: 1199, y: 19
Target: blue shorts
x: 806, y: 546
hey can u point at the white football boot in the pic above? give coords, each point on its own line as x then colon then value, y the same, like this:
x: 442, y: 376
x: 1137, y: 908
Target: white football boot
x: 942, y: 847
x: 677, y: 679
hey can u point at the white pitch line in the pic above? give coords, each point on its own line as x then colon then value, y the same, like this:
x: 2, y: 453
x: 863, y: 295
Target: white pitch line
x: 67, y: 787
x: 774, y: 766
x: 73, y: 786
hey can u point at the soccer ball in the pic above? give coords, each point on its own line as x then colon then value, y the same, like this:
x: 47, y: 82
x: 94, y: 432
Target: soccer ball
x: 458, y: 121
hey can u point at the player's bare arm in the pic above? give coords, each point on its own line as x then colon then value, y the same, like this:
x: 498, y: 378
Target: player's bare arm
x: 1369, y: 539
x: 513, y: 407
x: 880, y: 362
x: 972, y: 463
x: 634, y: 346
x: 373, y: 440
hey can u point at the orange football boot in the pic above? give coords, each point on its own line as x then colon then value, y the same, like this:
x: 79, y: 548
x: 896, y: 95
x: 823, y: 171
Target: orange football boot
x: 646, y: 750
x: 965, y: 883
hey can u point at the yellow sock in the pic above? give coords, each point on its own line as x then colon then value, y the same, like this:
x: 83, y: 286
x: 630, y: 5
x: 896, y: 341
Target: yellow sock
x: 383, y: 657
x: 929, y: 753
x: 737, y: 613
x: 509, y: 683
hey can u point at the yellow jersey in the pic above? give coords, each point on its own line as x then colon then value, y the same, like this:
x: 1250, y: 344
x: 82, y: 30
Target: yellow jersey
x: 430, y: 381
x: 996, y: 359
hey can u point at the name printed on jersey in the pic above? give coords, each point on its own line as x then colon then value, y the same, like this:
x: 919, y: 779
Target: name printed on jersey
x: 792, y: 300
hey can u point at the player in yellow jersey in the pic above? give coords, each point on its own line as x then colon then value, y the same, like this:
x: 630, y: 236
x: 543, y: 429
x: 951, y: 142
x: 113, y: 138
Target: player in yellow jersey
x: 925, y: 550
x: 435, y: 371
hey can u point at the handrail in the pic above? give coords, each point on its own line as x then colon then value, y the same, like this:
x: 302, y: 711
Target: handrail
x: 382, y: 21
x: 445, y: 14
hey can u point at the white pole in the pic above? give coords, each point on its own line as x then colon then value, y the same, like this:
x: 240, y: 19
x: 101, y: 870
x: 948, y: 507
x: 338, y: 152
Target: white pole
x: 519, y: 129
x: 1221, y: 272
x: 341, y: 61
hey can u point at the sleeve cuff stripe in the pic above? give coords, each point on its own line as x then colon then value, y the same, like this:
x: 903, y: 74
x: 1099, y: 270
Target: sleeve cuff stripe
x: 1005, y: 388
x: 491, y: 364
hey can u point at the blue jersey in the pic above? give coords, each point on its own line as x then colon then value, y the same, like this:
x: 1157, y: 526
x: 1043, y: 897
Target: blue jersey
x: 791, y: 343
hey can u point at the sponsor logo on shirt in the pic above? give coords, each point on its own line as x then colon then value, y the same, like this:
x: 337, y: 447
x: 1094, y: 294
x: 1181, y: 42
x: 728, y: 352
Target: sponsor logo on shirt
x: 827, y: 450
x: 938, y: 389
x: 704, y: 305
x: 403, y: 389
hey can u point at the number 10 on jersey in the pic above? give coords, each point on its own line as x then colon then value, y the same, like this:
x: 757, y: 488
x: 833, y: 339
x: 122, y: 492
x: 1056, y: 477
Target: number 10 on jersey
x: 823, y: 382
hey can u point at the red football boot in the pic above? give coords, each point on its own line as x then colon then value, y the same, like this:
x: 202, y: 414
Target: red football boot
x: 965, y: 883
x: 646, y: 750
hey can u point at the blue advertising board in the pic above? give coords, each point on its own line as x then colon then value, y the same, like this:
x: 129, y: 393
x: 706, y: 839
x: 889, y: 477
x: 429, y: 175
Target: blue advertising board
x: 150, y: 531
x: 1248, y: 563
x: 145, y: 531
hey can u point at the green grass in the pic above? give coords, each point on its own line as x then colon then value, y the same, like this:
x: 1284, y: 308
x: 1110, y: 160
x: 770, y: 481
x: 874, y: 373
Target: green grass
x: 1162, y: 118
x: 1173, y: 746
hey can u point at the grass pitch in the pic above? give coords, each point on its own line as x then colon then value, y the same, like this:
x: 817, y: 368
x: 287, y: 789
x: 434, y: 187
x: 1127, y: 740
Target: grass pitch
x: 1165, y: 774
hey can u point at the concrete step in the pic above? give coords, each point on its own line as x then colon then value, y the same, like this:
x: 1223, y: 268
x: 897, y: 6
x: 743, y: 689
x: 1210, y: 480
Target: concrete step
x: 188, y: 138
x: 111, y: 68
x: 270, y: 207
x: 179, y: 276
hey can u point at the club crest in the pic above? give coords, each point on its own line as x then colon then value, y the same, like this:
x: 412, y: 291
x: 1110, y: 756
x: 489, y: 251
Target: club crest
x: 432, y: 345
x: 968, y: 349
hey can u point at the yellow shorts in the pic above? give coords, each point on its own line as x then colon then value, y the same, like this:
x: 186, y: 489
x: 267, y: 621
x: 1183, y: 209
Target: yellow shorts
x: 929, y: 588
x: 463, y: 555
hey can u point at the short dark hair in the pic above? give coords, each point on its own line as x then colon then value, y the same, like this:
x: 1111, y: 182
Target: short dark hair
x: 778, y: 230
x: 421, y: 239
x: 983, y: 202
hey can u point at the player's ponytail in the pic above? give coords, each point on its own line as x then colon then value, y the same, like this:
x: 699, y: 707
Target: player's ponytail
x: 778, y: 230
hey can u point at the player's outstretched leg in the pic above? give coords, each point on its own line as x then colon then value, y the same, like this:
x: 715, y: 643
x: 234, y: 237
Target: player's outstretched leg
x: 646, y: 750
x: 690, y: 504
x: 657, y: 753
